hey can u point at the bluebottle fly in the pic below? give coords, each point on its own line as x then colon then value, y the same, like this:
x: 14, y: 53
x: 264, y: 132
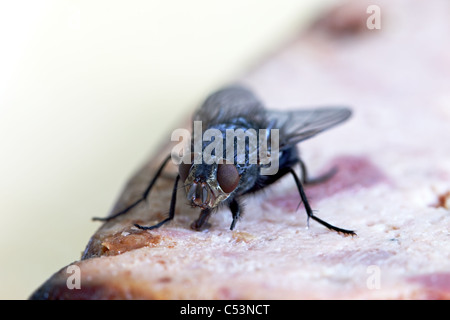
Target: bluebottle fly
x: 210, y: 186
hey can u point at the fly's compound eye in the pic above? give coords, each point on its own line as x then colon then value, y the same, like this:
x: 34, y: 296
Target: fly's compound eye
x: 183, y: 170
x: 228, y: 177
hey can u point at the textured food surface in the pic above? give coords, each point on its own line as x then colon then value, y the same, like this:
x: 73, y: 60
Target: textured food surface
x: 392, y: 186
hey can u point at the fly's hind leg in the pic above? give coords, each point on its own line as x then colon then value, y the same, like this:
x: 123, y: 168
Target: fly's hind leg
x: 309, y: 211
x: 322, y: 178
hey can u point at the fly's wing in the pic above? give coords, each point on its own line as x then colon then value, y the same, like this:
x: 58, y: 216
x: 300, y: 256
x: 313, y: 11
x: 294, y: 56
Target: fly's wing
x: 231, y: 103
x: 298, y: 125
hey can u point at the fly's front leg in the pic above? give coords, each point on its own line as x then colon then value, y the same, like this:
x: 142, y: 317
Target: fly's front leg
x: 143, y: 197
x: 235, y: 212
x: 171, y: 210
x: 202, y: 219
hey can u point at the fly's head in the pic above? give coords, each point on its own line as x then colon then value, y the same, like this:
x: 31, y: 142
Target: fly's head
x: 207, y: 185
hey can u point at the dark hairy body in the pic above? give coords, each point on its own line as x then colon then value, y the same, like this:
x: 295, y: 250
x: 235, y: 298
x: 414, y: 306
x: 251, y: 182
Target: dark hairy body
x: 211, y: 186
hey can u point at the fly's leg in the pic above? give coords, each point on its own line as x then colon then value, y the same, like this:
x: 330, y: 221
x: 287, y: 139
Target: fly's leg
x: 143, y: 197
x: 309, y: 211
x: 235, y: 211
x: 171, y: 210
x: 307, y: 180
x: 202, y: 219
x: 205, y: 214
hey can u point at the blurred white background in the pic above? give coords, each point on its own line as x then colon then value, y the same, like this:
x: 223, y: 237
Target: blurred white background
x: 89, y: 89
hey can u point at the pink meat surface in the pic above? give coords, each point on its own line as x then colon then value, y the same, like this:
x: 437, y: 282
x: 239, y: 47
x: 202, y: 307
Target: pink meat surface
x: 393, y: 177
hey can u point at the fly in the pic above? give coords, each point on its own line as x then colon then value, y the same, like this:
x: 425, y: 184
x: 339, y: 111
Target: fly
x: 224, y: 182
